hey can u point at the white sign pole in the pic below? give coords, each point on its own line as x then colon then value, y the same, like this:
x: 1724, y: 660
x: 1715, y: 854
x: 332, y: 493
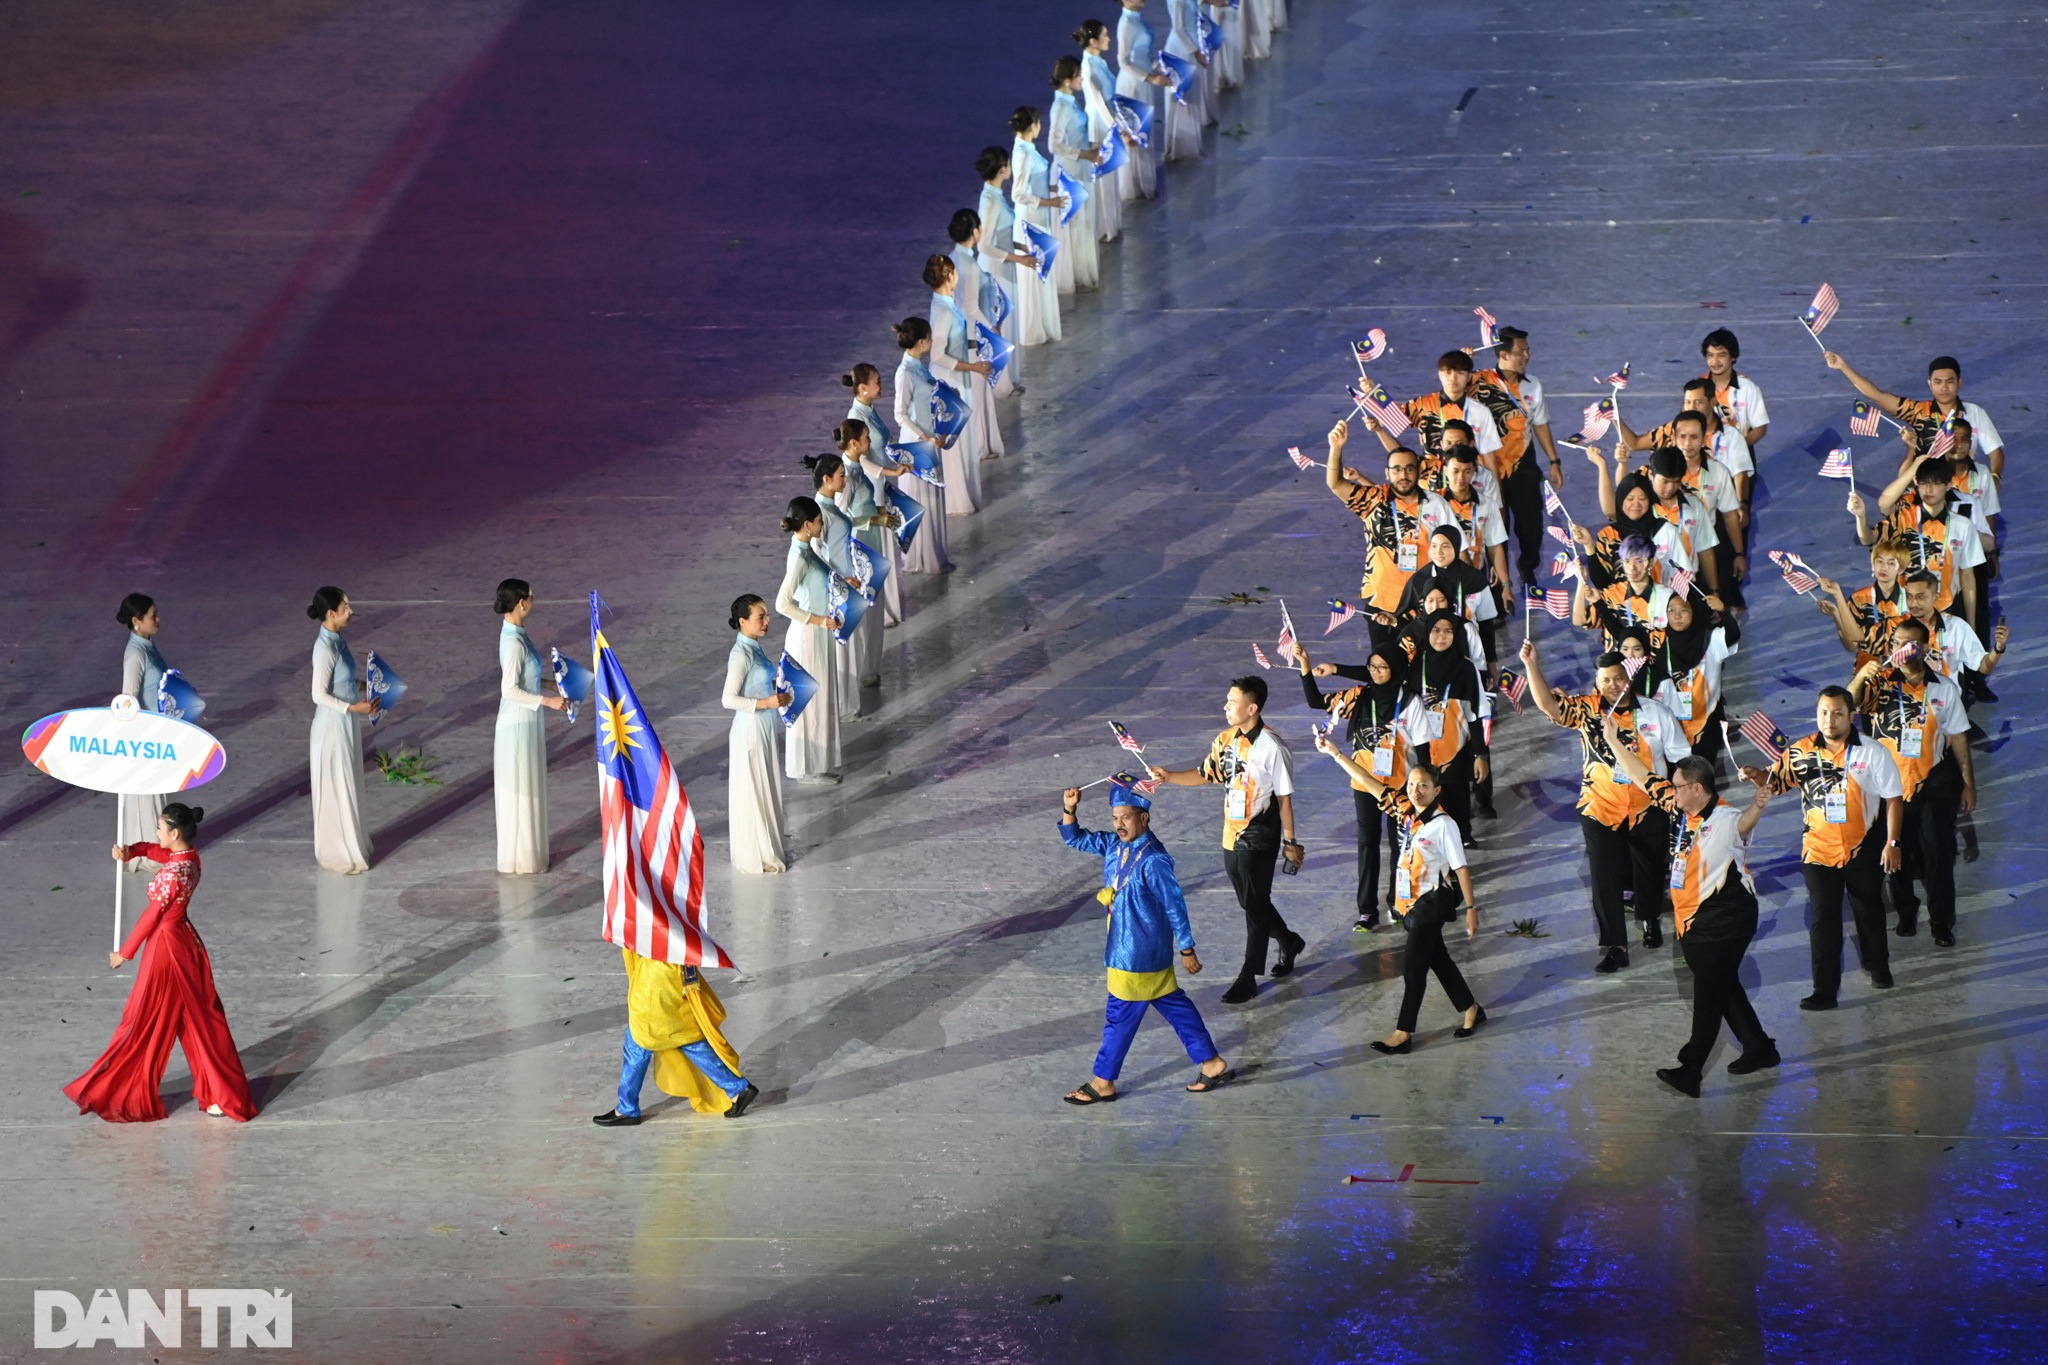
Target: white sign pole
x: 120, y: 877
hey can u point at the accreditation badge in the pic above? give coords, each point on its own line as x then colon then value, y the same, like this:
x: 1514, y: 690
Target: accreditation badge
x: 1407, y: 559
x: 1383, y: 759
x: 1237, y: 802
x: 1683, y: 705
x: 1404, y: 888
x: 1911, y: 742
x: 1835, y: 807
x: 1678, y: 873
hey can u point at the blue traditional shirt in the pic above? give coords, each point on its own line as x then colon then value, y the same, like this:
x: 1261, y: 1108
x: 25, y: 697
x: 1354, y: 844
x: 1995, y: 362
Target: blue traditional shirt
x: 1148, y: 915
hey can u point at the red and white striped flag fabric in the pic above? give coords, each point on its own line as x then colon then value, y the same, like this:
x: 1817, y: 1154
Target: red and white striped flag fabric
x: 1372, y: 348
x: 1260, y: 654
x: 1681, y: 582
x: 1552, y: 503
x: 1488, y: 335
x: 1632, y: 664
x: 1143, y: 786
x: 1381, y: 408
x: 1514, y: 687
x: 653, y: 850
x: 1596, y: 421
x: 1340, y: 612
x: 1126, y: 739
x: 1617, y: 380
x: 1838, y: 464
x: 1759, y: 730
x: 1944, y: 439
x: 1903, y: 655
x: 1565, y: 566
x: 1558, y: 602
x: 1822, y: 310
x: 1285, y: 644
x: 1301, y: 461
x: 1863, y: 418
x: 1560, y: 535
x: 1798, y: 575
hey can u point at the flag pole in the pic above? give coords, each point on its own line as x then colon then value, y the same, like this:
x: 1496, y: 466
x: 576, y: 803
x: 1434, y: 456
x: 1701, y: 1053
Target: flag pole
x: 1815, y: 335
x: 120, y: 878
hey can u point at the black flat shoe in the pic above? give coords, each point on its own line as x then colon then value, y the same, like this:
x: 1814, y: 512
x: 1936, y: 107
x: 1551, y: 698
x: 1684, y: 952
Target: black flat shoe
x: 1486, y: 813
x: 1653, y: 936
x: 612, y: 1118
x: 1391, y: 1049
x: 1463, y: 1032
x: 1817, y: 1002
x: 1944, y: 938
x: 742, y: 1100
x: 1907, y: 929
x: 1678, y: 1078
x: 1882, y: 979
x: 1290, y: 950
x: 1754, y: 1061
x: 1614, y: 961
x: 1241, y: 990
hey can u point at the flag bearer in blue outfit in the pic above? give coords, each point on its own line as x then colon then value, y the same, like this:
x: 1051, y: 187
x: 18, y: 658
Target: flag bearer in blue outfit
x: 1148, y: 926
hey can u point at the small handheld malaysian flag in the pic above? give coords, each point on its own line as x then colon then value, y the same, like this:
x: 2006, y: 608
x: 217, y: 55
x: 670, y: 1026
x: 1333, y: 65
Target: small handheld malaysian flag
x: 1681, y: 583
x: 1838, y: 464
x: 1125, y: 739
x: 1340, y: 612
x: 1944, y: 439
x: 1904, y: 654
x: 1488, y: 336
x: 1285, y: 644
x: 1301, y: 461
x: 1799, y: 576
x: 1381, y: 408
x: 1558, y: 602
x: 1260, y: 654
x: 1760, y: 731
x: 1514, y: 687
x: 1372, y: 348
x: 1553, y: 503
x: 1143, y: 786
x: 1820, y: 313
x: 1863, y: 418
x: 1616, y: 381
x: 1560, y: 535
x: 1595, y: 422
x: 1565, y: 566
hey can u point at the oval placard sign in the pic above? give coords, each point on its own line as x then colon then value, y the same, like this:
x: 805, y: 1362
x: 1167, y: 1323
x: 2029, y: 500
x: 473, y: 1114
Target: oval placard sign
x: 137, y: 754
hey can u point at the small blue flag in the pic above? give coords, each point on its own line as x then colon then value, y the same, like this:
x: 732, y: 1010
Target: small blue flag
x: 995, y: 300
x: 790, y: 677
x: 849, y: 607
x: 912, y: 512
x: 385, y: 685
x: 1134, y: 115
x: 1181, y: 69
x: 1076, y: 197
x: 1117, y: 159
x: 922, y: 457
x: 572, y: 680
x: 1211, y: 32
x: 950, y: 412
x: 871, y: 570
x: 990, y: 346
x: 179, y: 699
x: 1043, y: 245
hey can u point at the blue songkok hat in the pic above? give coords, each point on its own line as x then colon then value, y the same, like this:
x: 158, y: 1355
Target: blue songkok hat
x: 1122, y: 793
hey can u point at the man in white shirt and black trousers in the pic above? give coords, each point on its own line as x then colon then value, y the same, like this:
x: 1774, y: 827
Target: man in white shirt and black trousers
x: 1256, y: 770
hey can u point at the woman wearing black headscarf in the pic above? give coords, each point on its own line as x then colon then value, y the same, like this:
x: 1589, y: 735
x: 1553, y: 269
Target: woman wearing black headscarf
x: 1462, y: 583
x: 1684, y: 671
x: 1370, y: 712
x: 1442, y: 718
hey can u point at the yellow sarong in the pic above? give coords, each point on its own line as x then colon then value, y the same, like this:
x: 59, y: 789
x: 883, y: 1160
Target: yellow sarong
x: 664, y: 1012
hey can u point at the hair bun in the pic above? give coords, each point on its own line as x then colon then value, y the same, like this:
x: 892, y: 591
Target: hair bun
x: 847, y: 380
x: 314, y: 613
x: 811, y: 461
x: 198, y: 813
x: 732, y: 623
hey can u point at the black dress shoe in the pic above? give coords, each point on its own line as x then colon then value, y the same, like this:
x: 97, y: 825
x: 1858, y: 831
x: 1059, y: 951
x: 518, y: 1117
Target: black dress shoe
x: 1289, y: 950
x: 1907, y: 928
x: 742, y: 1100
x: 612, y: 1118
x: 1391, y: 1049
x: 1486, y: 812
x: 1614, y: 961
x: 1882, y: 978
x: 1944, y: 938
x: 1241, y: 990
x: 1679, y: 1079
x: 1817, y: 1002
x: 1653, y: 935
x: 1463, y: 1032
x: 1366, y: 924
x: 1755, y: 1061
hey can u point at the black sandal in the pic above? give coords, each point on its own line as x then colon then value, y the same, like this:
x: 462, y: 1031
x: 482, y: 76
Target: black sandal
x: 1094, y: 1096
x: 1204, y: 1084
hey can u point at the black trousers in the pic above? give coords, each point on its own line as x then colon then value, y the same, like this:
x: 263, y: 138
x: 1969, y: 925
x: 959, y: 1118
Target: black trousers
x: 1426, y: 953
x: 1928, y: 842
x: 1457, y: 797
x: 1717, y: 996
x: 1712, y: 743
x: 1635, y: 855
x: 1521, y: 498
x: 1724, y: 565
x: 1374, y: 826
x: 1861, y: 879
x: 1251, y: 876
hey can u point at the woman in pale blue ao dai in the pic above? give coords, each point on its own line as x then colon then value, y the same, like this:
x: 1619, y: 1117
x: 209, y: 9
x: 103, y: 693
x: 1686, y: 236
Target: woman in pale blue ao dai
x: 753, y: 763
x: 519, y: 752
x: 341, y: 843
